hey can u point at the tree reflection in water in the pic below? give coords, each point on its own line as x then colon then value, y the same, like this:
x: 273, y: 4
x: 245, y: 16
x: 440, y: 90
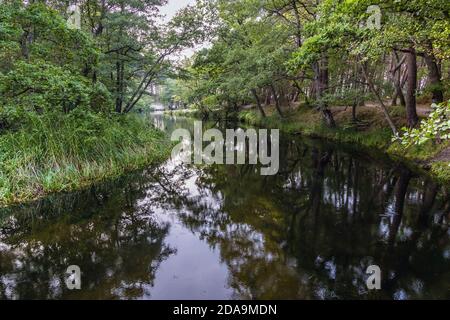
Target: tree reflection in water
x: 109, y: 230
x: 308, y: 233
x: 312, y: 231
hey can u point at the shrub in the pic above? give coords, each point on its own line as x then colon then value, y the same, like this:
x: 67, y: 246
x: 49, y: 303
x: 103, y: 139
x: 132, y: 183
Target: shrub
x: 435, y: 128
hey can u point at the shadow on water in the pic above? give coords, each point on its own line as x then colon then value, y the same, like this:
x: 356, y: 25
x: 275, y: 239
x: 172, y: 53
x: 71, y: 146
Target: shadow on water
x: 178, y: 231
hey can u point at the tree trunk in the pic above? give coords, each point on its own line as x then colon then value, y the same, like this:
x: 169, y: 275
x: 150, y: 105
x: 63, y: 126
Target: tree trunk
x: 300, y: 92
x: 25, y: 41
x: 145, y: 83
x: 354, y: 118
x: 356, y: 100
x: 380, y: 100
x: 235, y: 107
x: 284, y: 101
x: 329, y: 118
x: 411, y: 93
x: 403, y: 78
x: 277, y: 102
x: 397, y: 79
x: 298, y: 24
x: 321, y: 81
x: 258, y: 103
x: 295, y: 96
x: 434, y: 76
x: 119, y: 86
x: 268, y: 100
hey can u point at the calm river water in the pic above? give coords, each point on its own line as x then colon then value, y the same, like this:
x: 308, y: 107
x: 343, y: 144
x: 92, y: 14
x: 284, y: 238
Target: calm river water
x: 226, y: 232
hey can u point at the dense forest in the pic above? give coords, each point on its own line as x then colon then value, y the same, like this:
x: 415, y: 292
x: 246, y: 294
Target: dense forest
x: 331, y: 52
x: 373, y: 68
x: 75, y: 75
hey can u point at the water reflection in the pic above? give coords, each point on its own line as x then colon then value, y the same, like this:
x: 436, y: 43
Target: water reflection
x: 226, y: 232
x: 105, y: 230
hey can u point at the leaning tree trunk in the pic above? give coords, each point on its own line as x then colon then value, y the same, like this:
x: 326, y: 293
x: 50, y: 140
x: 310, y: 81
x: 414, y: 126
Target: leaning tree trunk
x: 300, y: 92
x: 380, y: 100
x: 403, y: 79
x: 258, y: 103
x: 411, y: 104
x: 277, y: 102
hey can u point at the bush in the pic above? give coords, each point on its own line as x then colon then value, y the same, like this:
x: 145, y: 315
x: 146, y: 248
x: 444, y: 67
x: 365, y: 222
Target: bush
x: 435, y: 128
x: 41, y: 86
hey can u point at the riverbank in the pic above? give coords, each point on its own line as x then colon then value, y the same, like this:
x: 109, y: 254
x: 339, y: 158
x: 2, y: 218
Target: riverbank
x: 369, y: 131
x: 53, y: 153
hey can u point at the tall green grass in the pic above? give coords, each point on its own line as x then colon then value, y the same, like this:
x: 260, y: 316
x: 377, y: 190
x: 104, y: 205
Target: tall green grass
x: 56, y: 152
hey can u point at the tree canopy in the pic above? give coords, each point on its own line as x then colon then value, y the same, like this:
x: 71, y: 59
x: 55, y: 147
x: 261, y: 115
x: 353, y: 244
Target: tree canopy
x: 323, y: 53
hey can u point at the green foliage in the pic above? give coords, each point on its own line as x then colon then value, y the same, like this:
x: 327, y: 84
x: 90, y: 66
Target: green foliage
x: 36, y: 31
x: 249, y: 117
x: 59, y: 86
x: 245, y: 56
x: 43, y: 86
x: 435, y: 127
x: 42, y: 62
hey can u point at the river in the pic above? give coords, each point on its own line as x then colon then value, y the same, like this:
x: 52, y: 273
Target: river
x: 225, y: 232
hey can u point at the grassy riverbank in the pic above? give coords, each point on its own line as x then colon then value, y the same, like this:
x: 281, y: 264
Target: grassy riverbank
x: 53, y: 153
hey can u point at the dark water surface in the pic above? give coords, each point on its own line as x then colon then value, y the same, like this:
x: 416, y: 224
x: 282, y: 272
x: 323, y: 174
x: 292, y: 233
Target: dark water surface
x: 225, y: 232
